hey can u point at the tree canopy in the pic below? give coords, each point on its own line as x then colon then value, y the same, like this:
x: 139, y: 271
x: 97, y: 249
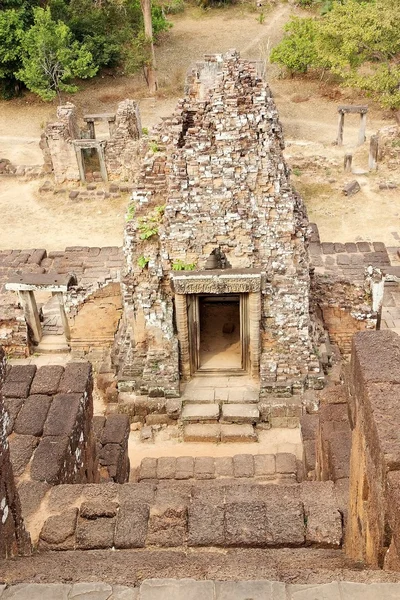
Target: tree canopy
x: 84, y: 36
x: 357, y: 41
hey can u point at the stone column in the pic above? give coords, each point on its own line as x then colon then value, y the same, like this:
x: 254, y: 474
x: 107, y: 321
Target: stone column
x: 254, y: 332
x: 102, y: 161
x: 182, y: 326
x: 64, y: 320
x: 81, y: 166
x: 348, y: 159
x: 373, y: 152
x: 340, y: 129
x: 92, y: 132
x: 363, y: 125
x: 31, y: 314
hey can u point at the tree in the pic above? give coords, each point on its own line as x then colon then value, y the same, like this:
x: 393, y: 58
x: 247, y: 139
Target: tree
x: 150, y: 64
x: 358, y: 41
x: 52, y: 58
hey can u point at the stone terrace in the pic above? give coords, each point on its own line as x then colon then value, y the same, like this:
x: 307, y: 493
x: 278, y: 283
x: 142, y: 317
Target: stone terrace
x: 171, y: 514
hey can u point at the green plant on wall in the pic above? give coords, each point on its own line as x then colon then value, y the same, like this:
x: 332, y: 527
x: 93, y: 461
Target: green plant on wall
x: 143, y: 261
x: 130, y: 213
x: 180, y: 265
x: 148, y: 225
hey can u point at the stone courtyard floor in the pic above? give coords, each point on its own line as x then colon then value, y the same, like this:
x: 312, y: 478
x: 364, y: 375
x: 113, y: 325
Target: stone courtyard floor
x: 190, y: 589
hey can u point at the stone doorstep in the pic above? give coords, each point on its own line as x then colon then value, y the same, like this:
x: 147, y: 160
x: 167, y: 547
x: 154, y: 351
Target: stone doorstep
x: 192, y: 589
x: 200, y: 412
x: 240, y: 413
x: 195, y: 432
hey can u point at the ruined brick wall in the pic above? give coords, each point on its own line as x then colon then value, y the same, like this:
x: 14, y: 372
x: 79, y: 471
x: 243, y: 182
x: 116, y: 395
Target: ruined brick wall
x: 93, y: 319
x: 218, y: 177
x: 50, y: 423
x: 57, y: 144
x: 374, y: 400
x: 345, y: 307
x: 13, y: 537
x: 122, y: 149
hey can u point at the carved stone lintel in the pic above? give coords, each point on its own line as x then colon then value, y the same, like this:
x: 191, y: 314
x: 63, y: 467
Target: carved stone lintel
x: 217, y: 284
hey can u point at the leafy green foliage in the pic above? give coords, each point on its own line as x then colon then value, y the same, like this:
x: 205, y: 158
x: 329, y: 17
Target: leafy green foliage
x: 109, y: 33
x: 297, y: 51
x: 148, y: 225
x: 143, y: 262
x: 52, y: 58
x: 180, y: 265
x: 130, y: 213
x: 356, y: 40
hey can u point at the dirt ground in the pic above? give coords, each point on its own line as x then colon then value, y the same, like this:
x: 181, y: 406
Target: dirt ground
x: 308, y: 111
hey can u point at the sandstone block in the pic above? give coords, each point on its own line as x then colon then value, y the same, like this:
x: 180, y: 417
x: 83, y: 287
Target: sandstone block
x: 286, y: 463
x: 264, y: 465
x: 243, y: 465
x: 204, y: 467
x: 184, y: 467
x: 148, y: 469
x: 166, y: 467
x: 240, y: 413
x: 47, y: 380
x: 238, y: 433
x: 200, y: 412
x: 131, y: 527
x: 197, y: 432
x: 58, y: 531
x: 224, y: 466
x: 95, y: 534
x: 32, y: 416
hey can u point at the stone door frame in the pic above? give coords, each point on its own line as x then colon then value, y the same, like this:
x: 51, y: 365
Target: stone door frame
x: 218, y: 282
x: 27, y: 284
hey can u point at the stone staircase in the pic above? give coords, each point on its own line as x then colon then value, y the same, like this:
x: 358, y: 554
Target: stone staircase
x: 220, y: 409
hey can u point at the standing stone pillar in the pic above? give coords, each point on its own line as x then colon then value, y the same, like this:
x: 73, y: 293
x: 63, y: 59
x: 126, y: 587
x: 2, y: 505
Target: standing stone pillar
x: 373, y: 152
x: 363, y: 126
x: 64, y: 320
x: 102, y: 161
x: 254, y: 332
x: 348, y: 159
x: 182, y: 326
x: 81, y: 166
x: 31, y: 314
x: 340, y: 129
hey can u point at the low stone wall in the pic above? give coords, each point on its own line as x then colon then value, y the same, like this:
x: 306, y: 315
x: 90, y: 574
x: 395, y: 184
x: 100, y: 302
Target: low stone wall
x: 13, y: 537
x: 373, y: 534
x: 50, y: 423
x: 277, y: 468
x: 189, y: 514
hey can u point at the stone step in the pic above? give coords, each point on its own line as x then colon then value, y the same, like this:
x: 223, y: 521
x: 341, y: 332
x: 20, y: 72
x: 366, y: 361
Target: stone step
x: 240, y: 413
x: 237, y: 433
x: 306, y: 566
x: 179, y: 589
x: 52, y: 344
x: 198, y: 432
x: 277, y: 468
x: 196, y: 413
x: 241, y: 395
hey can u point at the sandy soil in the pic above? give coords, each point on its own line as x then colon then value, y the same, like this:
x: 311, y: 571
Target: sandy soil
x: 308, y: 111
x: 30, y: 220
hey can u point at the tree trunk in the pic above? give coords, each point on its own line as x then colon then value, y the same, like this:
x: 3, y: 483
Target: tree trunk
x: 150, y: 67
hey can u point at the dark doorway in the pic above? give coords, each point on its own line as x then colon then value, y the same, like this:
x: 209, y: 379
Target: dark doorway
x: 220, y: 339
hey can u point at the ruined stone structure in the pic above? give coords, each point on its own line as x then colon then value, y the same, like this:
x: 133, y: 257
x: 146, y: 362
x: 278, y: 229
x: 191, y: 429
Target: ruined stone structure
x: 13, y: 537
x: 215, y: 197
x: 84, y: 282
x: 63, y: 144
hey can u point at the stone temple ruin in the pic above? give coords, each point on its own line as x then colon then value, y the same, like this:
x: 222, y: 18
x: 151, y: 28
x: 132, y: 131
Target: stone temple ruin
x: 222, y: 317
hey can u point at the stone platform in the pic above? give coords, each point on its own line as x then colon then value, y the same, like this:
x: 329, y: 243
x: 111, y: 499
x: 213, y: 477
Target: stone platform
x: 174, y: 589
